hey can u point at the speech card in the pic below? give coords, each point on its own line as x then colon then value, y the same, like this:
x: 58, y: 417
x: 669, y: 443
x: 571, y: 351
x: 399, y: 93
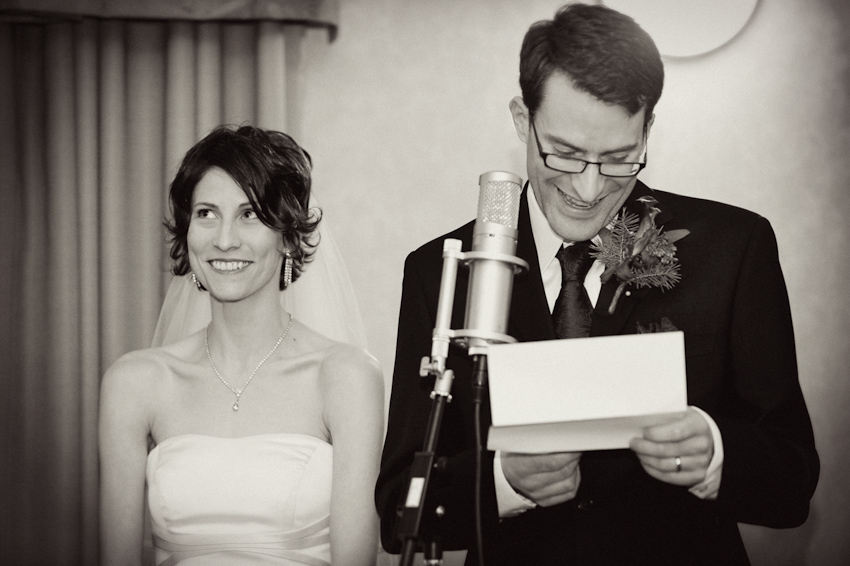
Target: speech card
x: 584, y: 394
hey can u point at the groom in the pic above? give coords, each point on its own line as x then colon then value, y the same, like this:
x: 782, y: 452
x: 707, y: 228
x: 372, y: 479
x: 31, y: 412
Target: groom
x: 742, y: 452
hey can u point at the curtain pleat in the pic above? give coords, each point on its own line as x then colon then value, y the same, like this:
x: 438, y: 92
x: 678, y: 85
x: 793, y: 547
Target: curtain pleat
x: 11, y: 228
x: 35, y: 415
x: 182, y: 103
x: 293, y: 41
x: 144, y: 163
x: 238, y: 79
x: 271, y: 78
x: 88, y: 234
x: 62, y: 276
x: 99, y: 114
x: 210, y: 106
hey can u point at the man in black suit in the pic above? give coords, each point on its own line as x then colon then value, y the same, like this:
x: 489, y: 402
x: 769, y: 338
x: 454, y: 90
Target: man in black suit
x: 743, y: 451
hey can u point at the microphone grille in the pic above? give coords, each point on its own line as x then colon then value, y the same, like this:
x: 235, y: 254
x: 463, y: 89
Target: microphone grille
x: 498, y: 200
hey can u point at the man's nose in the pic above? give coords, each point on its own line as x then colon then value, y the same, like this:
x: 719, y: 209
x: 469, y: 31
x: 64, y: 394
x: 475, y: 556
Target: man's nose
x: 589, y: 183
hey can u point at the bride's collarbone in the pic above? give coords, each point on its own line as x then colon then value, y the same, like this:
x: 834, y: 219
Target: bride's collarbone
x: 265, y: 406
x: 285, y: 363
x: 275, y: 376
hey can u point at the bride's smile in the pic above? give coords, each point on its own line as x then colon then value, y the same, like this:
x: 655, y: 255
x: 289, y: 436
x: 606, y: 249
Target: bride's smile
x: 228, y: 265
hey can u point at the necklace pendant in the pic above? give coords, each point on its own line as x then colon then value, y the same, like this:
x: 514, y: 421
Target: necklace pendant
x: 239, y: 391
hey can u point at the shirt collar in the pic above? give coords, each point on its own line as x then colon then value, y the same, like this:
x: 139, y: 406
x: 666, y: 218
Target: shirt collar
x: 548, y: 243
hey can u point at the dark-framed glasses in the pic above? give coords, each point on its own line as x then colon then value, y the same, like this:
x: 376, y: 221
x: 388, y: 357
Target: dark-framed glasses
x: 572, y: 165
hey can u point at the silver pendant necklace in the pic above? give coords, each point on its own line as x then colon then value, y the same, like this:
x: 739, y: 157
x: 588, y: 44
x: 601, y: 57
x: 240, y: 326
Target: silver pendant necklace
x: 238, y: 392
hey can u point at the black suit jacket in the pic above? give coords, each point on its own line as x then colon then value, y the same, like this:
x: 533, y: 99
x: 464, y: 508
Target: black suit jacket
x: 741, y: 369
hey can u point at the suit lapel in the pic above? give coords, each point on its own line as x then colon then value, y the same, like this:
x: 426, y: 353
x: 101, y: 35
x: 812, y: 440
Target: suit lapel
x: 605, y: 324
x: 530, y: 319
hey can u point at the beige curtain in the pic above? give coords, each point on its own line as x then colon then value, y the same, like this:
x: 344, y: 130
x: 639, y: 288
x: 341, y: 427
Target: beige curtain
x: 96, y: 110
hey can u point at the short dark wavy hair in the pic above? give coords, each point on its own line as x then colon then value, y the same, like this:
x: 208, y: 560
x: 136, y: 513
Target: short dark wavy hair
x: 605, y: 53
x: 272, y: 170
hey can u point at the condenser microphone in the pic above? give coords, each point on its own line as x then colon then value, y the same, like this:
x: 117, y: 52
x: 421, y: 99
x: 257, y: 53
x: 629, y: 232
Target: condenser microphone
x: 492, y: 263
x: 492, y: 267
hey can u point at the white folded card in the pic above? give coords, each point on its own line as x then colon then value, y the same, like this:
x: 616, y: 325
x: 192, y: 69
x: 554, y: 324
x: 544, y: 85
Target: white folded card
x: 584, y: 393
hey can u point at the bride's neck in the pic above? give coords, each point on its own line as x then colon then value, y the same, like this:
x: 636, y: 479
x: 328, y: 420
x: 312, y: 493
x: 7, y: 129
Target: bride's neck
x: 248, y: 325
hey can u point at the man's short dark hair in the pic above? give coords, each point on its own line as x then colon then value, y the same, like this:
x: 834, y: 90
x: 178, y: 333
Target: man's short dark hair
x: 274, y: 173
x: 605, y: 53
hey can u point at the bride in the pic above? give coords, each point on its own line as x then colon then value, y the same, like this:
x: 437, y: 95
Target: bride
x: 265, y: 434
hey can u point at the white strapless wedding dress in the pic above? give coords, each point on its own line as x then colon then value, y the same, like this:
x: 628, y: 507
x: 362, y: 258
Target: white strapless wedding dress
x: 261, y: 499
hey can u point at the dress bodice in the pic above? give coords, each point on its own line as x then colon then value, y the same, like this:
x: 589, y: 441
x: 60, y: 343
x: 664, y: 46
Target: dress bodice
x: 262, y: 499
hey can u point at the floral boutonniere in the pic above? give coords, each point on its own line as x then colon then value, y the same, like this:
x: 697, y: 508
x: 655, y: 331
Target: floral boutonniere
x: 637, y: 252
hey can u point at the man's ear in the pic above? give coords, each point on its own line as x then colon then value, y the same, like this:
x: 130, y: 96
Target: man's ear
x: 520, y: 115
x: 649, y: 124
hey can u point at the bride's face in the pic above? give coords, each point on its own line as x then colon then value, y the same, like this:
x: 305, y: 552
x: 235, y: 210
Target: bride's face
x: 232, y: 253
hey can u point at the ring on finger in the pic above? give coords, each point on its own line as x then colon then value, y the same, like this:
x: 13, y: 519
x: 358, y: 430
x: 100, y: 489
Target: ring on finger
x: 678, y: 464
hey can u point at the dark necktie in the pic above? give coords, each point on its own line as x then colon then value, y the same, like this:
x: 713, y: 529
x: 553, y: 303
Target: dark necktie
x: 573, y: 312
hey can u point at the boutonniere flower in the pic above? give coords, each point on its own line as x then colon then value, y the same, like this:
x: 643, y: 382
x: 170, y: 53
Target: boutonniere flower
x: 637, y: 252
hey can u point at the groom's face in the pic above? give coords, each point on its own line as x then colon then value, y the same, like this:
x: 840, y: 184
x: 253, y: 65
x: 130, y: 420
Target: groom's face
x: 572, y: 123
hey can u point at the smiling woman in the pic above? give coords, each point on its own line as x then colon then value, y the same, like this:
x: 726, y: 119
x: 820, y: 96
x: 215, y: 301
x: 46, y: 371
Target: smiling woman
x: 254, y: 164
x: 305, y: 436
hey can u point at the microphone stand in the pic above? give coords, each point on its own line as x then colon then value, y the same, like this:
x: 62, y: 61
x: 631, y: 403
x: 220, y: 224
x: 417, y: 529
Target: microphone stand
x: 423, y: 461
x: 420, y: 474
x: 479, y: 390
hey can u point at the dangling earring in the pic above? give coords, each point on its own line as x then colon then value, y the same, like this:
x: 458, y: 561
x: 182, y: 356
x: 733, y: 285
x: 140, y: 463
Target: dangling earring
x: 287, y: 269
x: 198, y: 283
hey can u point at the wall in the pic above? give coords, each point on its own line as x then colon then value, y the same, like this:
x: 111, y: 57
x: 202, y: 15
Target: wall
x: 408, y: 106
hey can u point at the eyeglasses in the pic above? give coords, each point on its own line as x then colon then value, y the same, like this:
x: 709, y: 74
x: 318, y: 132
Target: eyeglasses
x: 571, y: 165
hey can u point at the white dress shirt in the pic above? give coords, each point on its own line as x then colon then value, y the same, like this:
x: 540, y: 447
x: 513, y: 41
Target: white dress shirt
x: 548, y: 244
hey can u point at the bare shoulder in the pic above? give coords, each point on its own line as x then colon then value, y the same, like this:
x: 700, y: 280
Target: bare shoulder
x: 337, y: 360
x: 345, y: 372
x: 135, y: 378
x: 134, y: 368
x: 149, y: 365
x: 346, y: 365
x: 352, y: 387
